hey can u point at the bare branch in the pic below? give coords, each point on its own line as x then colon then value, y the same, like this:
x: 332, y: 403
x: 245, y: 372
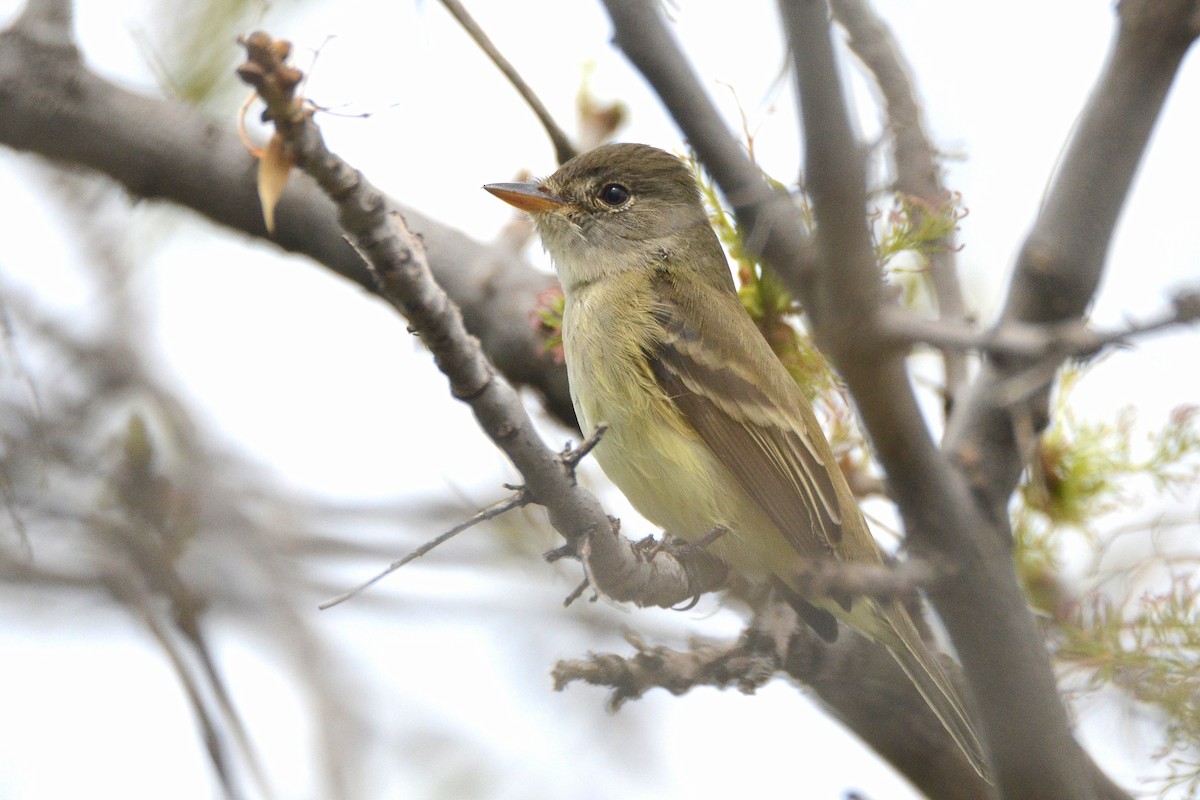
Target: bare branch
x: 848, y: 295
x: 1050, y: 342
x: 917, y: 171
x: 1008, y: 673
x: 1063, y: 257
x: 828, y: 578
x: 398, y: 264
x: 836, y: 171
x: 650, y: 572
x: 571, y: 456
x: 564, y: 151
x: 168, y: 150
x: 50, y: 22
x: 740, y: 664
x: 931, y: 495
x: 222, y: 757
x: 771, y: 224
x: 517, y: 500
x: 909, y: 735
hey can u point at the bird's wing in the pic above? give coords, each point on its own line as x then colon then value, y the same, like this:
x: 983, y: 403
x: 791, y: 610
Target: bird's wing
x: 760, y: 431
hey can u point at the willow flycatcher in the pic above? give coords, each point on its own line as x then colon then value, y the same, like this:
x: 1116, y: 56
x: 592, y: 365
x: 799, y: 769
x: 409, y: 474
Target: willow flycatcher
x: 706, y: 429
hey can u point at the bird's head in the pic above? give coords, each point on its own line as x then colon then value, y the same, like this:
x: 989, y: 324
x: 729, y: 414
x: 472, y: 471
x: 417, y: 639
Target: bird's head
x: 615, y: 208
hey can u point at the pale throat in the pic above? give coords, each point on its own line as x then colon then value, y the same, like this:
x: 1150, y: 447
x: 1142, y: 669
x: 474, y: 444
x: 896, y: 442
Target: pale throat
x: 583, y: 257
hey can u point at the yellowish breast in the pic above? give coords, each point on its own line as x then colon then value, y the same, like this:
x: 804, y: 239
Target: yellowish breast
x: 649, y: 451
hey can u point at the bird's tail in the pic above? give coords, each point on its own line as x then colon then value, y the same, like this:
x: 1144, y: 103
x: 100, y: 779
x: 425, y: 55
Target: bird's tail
x: 903, y: 640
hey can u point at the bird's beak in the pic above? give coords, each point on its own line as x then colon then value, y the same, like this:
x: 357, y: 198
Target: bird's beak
x: 527, y: 196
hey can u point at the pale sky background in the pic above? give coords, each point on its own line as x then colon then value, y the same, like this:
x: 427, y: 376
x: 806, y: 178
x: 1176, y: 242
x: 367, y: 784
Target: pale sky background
x: 1002, y: 83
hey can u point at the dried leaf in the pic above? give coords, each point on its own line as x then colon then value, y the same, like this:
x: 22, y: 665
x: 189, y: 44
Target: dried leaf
x: 273, y: 169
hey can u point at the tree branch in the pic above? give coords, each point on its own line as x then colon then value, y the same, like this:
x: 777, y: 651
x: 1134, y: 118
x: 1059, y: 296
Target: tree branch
x: 911, y: 461
x: 917, y: 172
x: 651, y: 572
x: 1051, y: 342
x: 1008, y: 672
x: 517, y: 499
x: 564, y: 151
x: 836, y: 171
x: 776, y: 643
x: 167, y: 150
x: 1062, y: 259
x: 771, y: 227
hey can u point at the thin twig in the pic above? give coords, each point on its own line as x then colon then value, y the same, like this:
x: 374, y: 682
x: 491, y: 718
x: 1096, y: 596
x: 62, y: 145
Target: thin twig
x: 517, y: 500
x: 1072, y: 338
x: 564, y: 151
x: 567, y: 550
x: 572, y: 456
x: 222, y: 756
x: 576, y: 593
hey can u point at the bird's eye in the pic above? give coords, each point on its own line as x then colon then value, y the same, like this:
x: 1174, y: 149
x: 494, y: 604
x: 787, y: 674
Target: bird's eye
x: 613, y: 195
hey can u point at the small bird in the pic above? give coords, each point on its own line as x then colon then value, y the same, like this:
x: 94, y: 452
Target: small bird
x: 707, y: 431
